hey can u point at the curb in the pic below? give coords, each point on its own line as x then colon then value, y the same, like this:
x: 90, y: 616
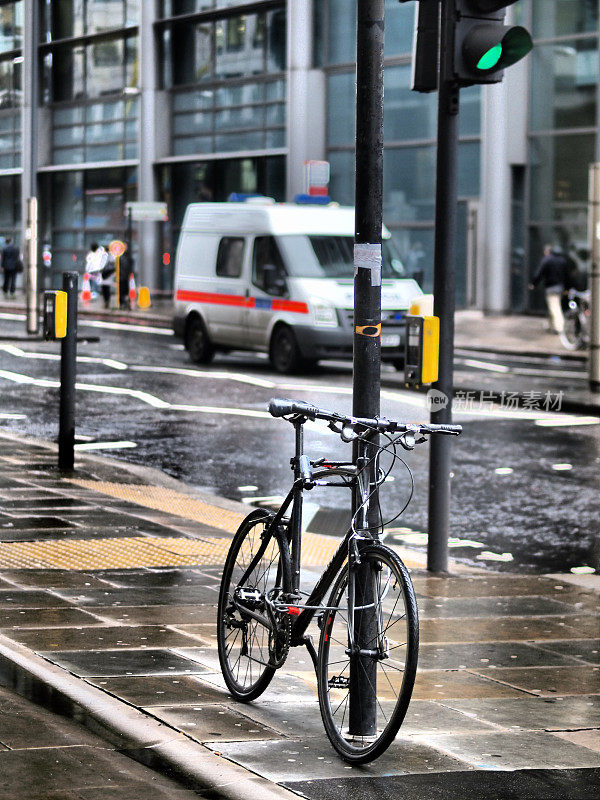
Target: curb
x: 136, y: 734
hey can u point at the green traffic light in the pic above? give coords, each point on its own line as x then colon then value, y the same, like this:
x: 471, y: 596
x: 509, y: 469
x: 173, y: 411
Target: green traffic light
x: 490, y: 58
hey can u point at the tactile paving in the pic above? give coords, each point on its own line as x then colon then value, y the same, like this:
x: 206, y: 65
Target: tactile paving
x: 161, y: 499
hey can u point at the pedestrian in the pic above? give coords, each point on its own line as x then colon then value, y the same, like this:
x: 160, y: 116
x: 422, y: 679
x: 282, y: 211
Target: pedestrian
x: 552, y: 271
x: 106, y: 277
x: 11, y: 265
x: 95, y: 261
x: 125, y: 271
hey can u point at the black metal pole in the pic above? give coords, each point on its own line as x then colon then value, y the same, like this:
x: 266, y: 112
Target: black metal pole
x: 68, y: 371
x: 367, y: 321
x: 440, y: 452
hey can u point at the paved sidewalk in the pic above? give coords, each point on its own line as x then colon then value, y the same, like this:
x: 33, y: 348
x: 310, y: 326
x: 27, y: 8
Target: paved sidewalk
x: 108, y: 587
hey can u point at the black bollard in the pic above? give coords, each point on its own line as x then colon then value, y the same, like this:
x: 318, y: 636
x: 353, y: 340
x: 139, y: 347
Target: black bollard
x: 68, y: 371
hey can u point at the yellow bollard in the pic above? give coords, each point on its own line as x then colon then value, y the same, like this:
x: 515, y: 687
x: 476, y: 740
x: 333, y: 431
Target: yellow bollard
x: 144, y: 297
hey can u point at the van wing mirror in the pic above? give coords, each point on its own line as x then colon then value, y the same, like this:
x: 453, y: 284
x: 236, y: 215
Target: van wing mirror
x: 274, y: 283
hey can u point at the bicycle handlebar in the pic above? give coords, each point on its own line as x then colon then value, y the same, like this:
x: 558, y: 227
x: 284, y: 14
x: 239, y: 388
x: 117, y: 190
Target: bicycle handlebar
x: 283, y: 408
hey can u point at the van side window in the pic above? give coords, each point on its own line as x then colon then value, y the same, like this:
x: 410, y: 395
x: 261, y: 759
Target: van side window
x: 230, y: 257
x: 268, y: 271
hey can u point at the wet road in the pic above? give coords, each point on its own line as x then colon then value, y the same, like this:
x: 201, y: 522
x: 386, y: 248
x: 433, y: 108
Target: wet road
x: 525, y: 487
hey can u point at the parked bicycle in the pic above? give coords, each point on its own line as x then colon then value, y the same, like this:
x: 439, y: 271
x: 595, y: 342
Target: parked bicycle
x: 368, y: 642
x: 576, y: 329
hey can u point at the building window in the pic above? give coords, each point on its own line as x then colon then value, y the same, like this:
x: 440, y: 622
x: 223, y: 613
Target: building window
x: 84, y: 207
x: 105, y: 66
x: 10, y: 207
x: 552, y: 18
x: 564, y: 79
x: 67, y: 19
x: 11, y: 99
x: 11, y: 26
x: 236, y: 47
x: 95, y: 132
x: 340, y: 19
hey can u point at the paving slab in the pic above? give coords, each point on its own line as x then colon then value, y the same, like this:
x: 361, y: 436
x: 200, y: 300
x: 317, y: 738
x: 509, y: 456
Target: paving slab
x: 582, y: 649
x: 106, y: 638
x: 314, y: 758
x: 512, y: 750
x: 161, y: 690
x: 488, y: 655
x: 99, y: 663
x: 534, y: 713
x: 552, y: 680
x: 432, y: 631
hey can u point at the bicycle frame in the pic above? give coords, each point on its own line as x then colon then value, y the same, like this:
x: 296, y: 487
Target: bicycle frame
x: 356, y: 479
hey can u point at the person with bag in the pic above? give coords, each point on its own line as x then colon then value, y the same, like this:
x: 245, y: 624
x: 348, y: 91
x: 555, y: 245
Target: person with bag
x: 11, y: 265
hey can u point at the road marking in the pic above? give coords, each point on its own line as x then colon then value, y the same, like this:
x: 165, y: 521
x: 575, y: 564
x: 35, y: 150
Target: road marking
x: 566, y: 421
x: 12, y: 416
x: 121, y: 326
x: 562, y: 467
x: 12, y: 316
x: 484, y: 365
x: 486, y: 555
x: 235, y: 412
x: 196, y: 373
x: 145, y: 397
x: 504, y: 471
x: 105, y: 445
x: 19, y: 353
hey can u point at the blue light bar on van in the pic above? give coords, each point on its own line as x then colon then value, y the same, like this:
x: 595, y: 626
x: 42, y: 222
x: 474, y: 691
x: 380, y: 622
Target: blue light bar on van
x: 310, y: 200
x: 238, y: 197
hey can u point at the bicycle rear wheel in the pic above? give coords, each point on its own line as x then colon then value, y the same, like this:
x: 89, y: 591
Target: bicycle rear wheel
x: 359, y: 729
x: 256, y: 563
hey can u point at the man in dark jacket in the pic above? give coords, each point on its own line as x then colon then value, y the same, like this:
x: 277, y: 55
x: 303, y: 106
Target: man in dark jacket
x: 10, y: 264
x: 552, y: 271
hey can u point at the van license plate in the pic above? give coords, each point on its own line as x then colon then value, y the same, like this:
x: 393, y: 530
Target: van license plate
x: 390, y: 340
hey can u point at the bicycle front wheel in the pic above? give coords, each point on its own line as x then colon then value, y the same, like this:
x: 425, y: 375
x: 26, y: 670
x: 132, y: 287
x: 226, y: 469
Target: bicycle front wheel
x: 256, y: 564
x: 368, y: 652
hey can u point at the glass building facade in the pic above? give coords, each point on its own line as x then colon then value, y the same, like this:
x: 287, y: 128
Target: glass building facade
x: 107, y: 101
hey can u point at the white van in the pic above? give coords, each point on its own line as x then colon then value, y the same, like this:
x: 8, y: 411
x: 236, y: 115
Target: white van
x: 278, y: 278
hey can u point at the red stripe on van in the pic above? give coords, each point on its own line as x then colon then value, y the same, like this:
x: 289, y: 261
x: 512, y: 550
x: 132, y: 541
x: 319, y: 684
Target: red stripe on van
x: 238, y: 300
x: 289, y: 305
x: 215, y: 299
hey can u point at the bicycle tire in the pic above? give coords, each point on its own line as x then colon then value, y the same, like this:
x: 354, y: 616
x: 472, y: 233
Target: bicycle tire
x: 571, y: 336
x: 394, y: 673
x: 243, y: 643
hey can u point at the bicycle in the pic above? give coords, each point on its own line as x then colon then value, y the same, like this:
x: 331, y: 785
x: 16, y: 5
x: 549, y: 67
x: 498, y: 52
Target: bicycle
x: 368, y: 627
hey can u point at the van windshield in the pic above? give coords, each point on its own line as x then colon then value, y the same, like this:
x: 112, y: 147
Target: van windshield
x: 331, y: 257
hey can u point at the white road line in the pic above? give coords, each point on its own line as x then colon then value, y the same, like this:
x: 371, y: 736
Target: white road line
x: 197, y: 373
x: 105, y: 445
x: 6, y: 415
x: 12, y: 350
x: 236, y: 412
x: 485, y: 365
x: 145, y: 397
x: 121, y: 326
x: 565, y: 421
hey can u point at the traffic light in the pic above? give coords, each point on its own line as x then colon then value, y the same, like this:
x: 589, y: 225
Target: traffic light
x: 483, y: 44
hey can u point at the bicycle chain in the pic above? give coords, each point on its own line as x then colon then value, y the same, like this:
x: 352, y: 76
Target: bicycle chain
x: 279, y: 641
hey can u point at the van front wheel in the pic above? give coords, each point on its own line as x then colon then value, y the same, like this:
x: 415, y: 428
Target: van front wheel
x: 284, y: 352
x: 197, y: 342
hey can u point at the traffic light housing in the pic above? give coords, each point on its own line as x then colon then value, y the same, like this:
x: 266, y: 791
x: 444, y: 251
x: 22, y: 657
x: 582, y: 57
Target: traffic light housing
x: 483, y: 45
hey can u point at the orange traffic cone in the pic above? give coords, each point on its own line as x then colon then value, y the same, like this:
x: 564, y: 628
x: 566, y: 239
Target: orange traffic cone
x: 86, y: 290
x: 132, y: 290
